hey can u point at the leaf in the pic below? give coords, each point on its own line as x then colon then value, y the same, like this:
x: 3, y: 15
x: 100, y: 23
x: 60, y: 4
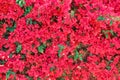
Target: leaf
x: 2, y: 22
x: 41, y: 48
x: 23, y: 57
x: 105, y: 33
x: 70, y: 56
x: 6, y: 35
x: 82, y: 7
x: 113, y: 33
x: 80, y: 57
x: 11, y: 29
x: 76, y: 55
x: 2, y: 62
x: 108, y: 67
x: 60, y: 78
x: 61, y: 47
x: 8, y: 73
x: 21, y: 3
x: 100, y: 18
x: 111, y: 23
x: 38, y: 78
x: 29, y: 21
x: 72, y: 13
x: 53, y: 68
x: 19, y: 48
x: 10, y: 55
x: 27, y: 10
x: 29, y: 78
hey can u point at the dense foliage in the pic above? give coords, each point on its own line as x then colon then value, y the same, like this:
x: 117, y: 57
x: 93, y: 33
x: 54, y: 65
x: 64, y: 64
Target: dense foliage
x: 59, y: 40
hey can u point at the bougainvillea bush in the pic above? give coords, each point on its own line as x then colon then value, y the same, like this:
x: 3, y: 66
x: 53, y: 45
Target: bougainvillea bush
x: 59, y: 40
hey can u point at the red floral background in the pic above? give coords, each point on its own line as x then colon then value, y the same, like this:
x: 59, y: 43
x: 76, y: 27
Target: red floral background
x: 59, y: 40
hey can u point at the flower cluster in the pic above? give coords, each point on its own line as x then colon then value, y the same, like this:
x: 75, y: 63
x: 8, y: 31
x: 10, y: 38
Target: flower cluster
x: 59, y: 40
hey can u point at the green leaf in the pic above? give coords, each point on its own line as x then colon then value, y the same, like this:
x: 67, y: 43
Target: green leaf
x: 80, y: 57
x: 106, y: 36
x: 41, y: 48
x: 2, y: 62
x: 52, y: 68
x: 19, y: 48
x: 61, y: 48
x: 29, y: 78
x: 2, y: 22
x: 10, y: 55
x: 111, y: 23
x: 100, y: 18
x: 21, y: 3
x: 64, y: 74
x: 27, y: 10
x: 11, y: 29
x: 72, y: 13
x: 6, y: 35
x: 38, y: 78
x: 113, y: 33
x: 70, y: 56
x: 108, y: 67
x: 76, y: 55
x: 105, y: 33
x: 29, y: 21
x: 60, y: 78
x: 23, y: 57
x: 8, y: 73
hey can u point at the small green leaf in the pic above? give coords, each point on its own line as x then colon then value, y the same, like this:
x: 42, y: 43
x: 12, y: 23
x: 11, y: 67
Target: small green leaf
x: 27, y: 10
x: 106, y: 36
x: 2, y: 62
x: 76, y: 55
x: 38, y: 78
x: 52, y: 68
x: 111, y: 23
x: 61, y: 47
x: 29, y: 78
x: 101, y: 18
x: 113, y: 33
x: 21, y: 3
x: 108, y: 67
x: 80, y: 57
x: 64, y: 74
x: 19, y: 48
x: 112, y: 45
x: 11, y: 29
x: 6, y: 35
x: 60, y: 78
x: 8, y: 73
x: 70, y: 56
x: 105, y: 33
x: 23, y: 57
x: 41, y: 48
x: 72, y: 13
x: 2, y: 22
x: 10, y: 55
x: 29, y: 21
